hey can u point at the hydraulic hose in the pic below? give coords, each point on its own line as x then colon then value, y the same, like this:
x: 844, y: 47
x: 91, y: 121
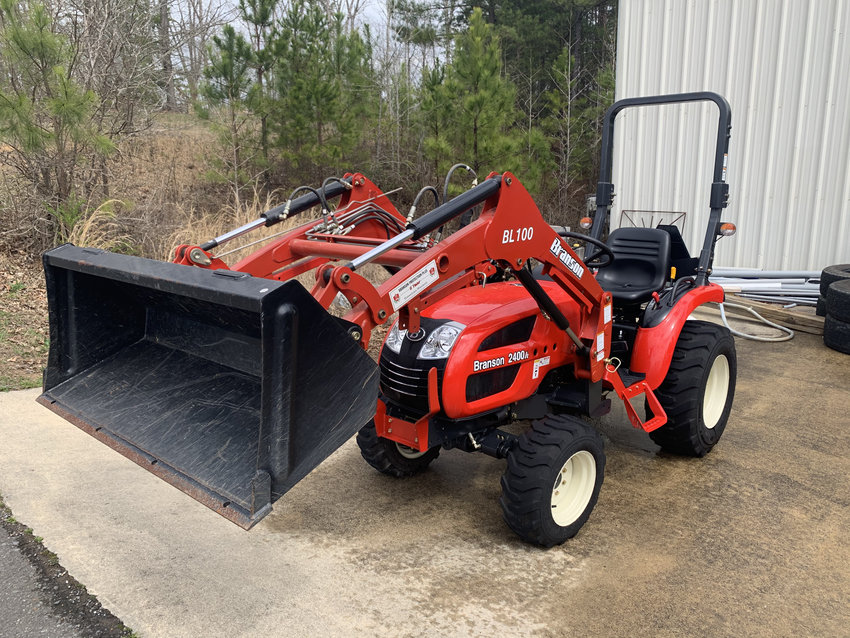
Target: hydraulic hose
x: 422, y: 191
x: 451, y: 209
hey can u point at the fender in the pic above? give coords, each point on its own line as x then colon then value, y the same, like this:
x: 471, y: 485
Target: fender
x: 653, y: 349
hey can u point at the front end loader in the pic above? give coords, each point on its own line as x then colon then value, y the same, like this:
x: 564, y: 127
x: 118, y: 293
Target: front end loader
x: 233, y: 383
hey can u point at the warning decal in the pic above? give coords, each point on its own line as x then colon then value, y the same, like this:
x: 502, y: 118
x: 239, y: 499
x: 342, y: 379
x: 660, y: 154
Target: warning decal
x: 414, y: 284
x: 539, y: 363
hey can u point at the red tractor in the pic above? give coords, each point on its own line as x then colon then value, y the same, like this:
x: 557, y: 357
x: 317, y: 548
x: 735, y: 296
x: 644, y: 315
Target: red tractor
x: 233, y: 383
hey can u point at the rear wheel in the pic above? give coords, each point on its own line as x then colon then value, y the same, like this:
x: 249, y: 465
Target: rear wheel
x: 552, y: 480
x: 698, y: 390
x: 390, y: 457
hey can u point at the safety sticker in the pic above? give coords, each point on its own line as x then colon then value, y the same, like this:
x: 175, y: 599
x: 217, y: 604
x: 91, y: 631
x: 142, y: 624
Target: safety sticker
x: 539, y: 363
x: 414, y: 284
x: 600, y: 346
x: 607, y: 313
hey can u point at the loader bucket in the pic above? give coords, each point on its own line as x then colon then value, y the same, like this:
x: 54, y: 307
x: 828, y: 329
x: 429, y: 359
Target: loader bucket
x: 231, y: 388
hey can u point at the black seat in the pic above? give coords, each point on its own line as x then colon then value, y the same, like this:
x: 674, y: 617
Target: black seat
x: 641, y: 264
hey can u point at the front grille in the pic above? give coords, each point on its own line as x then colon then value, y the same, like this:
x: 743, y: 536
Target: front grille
x: 404, y: 381
x: 406, y: 386
x: 404, y: 378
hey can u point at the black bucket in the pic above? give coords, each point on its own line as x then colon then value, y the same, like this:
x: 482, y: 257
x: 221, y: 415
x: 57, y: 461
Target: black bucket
x: 231, y: 388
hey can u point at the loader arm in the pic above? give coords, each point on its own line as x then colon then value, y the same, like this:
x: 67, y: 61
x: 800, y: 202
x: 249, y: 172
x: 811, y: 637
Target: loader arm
x: 363, y: 218
x: 509, y: 232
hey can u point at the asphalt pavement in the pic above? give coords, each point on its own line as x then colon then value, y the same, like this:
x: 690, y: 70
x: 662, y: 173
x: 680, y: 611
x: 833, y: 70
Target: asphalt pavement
x: 25, y: 607
x: 750, y: 541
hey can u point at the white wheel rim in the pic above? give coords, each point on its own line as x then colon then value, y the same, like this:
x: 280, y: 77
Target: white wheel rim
x: 573, y: 488
x: 408, y: 452
x: 716, y: 391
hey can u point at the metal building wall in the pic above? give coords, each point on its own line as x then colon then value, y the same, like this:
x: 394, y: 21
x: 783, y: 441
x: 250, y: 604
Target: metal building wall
x: 784, y: 66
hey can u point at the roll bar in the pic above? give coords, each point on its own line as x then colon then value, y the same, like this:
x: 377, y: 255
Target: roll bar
x: 719, y: 188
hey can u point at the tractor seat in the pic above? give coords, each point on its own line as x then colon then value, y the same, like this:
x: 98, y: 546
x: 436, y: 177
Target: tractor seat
x: 641, y: 264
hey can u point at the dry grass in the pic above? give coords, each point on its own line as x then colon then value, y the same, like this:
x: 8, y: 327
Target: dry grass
x: 23, y: 324
x: 159, y: 195
x: 195, y: 226
x: 100, y: 228
x: 163, y: 172
x: 22, y: 216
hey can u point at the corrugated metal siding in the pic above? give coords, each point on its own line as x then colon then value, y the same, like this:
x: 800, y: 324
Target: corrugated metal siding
x: 784, y: 66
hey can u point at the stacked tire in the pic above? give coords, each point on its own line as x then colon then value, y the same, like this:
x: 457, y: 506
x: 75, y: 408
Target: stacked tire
x: 835, y: 303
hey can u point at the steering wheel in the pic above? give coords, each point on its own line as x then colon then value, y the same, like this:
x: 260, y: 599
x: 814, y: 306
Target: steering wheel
x: 601, y: 258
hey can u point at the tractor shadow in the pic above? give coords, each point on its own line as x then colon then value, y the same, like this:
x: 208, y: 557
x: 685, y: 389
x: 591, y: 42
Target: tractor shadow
x: 345, y: 499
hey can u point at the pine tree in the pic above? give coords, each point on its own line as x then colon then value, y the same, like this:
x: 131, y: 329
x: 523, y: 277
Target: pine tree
x: 228, y: 82
x: 259, y: 17
x: 46, y: 117
x: 482, y: 99
x: 321, y: 81
x: 436, y: 113
x: 481, y: 118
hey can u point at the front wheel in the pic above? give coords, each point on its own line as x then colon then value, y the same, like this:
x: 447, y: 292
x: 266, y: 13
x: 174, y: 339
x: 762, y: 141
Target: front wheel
x: 698, y: 390
x: 552, y: 480
x: 389, y: 457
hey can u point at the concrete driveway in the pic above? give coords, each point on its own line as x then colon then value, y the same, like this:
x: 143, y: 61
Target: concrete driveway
x: 750, y: 541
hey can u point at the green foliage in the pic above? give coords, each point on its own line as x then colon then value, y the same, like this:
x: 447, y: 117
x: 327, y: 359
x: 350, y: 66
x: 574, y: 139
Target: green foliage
x: 300, y: 85
x: 227, y: 85
x: 321, y: 80
x: 48, y: 119
x: 77, y: 222
x: 471, y: 115
x: 258, y: 15
x: 412, y: 22
x: 18, y: 123
x: 482, y: 99
x: 68, y: 214
x: 436, y: 114
x: 560, y: 54
x: 521, y: 86
x: 227, y: 75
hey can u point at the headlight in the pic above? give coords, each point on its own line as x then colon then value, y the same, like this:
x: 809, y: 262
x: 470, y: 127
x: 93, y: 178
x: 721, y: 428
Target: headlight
x: 439, y: 343
x: 395, y: 338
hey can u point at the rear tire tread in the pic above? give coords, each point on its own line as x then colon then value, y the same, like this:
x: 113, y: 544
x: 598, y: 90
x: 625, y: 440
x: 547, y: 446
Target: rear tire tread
x: 838, y: 301
x: 831, y: 274
x: 681, y: 392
